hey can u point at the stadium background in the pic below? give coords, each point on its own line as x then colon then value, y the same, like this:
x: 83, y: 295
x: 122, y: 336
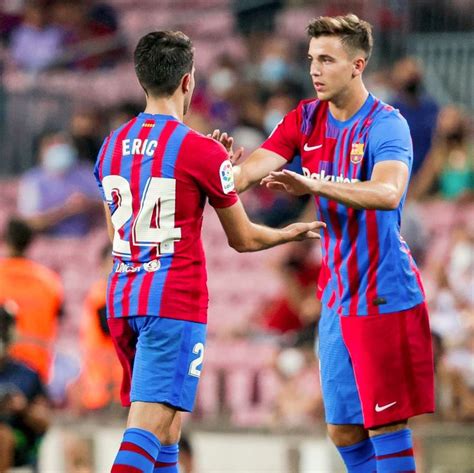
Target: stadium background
x: 259, y: 395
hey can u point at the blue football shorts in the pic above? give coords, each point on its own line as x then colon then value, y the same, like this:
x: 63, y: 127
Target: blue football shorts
x: 161, y: 359
x: 340, y: 395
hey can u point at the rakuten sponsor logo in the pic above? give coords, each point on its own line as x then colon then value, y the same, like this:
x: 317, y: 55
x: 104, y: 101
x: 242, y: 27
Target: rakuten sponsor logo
x: 322, y: 176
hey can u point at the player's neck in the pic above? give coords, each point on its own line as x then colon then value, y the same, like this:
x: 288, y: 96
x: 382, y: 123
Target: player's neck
x: 348, y: 103
x: 165, y: 106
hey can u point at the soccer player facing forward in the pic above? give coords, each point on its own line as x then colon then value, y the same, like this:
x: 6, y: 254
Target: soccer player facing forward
x: 374, y: 335
x: 155, y: 175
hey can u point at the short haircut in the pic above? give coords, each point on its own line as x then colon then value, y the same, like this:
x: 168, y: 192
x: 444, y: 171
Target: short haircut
x: 353, y: 32
x: 18, y: 235
x: 162, y: 58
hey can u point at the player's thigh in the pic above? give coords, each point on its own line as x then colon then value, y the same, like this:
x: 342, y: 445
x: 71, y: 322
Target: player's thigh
x: 340, y: 395
x: 168, y: 361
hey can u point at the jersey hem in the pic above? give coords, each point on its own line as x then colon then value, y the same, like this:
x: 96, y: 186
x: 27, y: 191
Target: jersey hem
x: 389, y: 308
x: 182, y: 319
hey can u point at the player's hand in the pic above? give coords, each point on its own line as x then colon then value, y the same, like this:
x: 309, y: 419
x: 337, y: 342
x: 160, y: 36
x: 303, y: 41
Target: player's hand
x: 289, y: 181
x: 304, y: 231
x: 228, y: 143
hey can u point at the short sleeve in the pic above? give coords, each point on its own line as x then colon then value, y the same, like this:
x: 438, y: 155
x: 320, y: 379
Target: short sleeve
x: 213, y: 172
x: 285, y: 138
x: 390, y: 140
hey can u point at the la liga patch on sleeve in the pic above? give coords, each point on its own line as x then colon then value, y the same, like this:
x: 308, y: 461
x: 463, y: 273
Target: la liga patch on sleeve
x: 227, y: 176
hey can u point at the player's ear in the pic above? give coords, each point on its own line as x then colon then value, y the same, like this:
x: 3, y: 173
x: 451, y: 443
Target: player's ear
x: 186, y: 83
x: 358, y: 66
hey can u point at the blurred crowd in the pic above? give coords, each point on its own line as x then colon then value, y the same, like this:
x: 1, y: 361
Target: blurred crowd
x: 57, y: 199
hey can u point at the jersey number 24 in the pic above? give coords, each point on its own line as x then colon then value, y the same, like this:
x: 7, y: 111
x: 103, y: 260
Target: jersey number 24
x: 159, y: 198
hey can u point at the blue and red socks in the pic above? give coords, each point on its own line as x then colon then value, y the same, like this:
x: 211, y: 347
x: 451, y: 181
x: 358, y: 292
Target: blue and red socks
x: 359, y: 458
x: 138, y: 452
x: 167, y: 461
x: 394, y: 452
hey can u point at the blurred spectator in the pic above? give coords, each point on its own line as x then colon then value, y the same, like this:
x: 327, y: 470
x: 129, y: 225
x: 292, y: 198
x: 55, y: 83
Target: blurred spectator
x: 36, y: 44
x: 101, y: 376
x: 59, y: 195
x: 24, y: 411
x: 298, y: 402
x: 448, y: 169
x: 123, y: 113
x: 91, y: 33
x: 418, y: 108
x: 86, y: 134
x: 461, y: 362
x: 255, y: 17
x: 296, y: 307
x: 274, y: 65
x: 38, y: 293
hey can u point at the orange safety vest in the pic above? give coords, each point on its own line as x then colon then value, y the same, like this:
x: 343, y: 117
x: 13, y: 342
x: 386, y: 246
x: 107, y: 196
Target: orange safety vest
x: 102, y: 373
x: 38, y: 293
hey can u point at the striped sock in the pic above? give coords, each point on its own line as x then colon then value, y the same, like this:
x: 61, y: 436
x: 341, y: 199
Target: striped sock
x: 359, y: 458
x: 394, y: 452
x: 167, y: 461
x: 137, y: 453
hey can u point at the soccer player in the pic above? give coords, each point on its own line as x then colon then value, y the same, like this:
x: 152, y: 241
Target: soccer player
x: 374, y: 336
x: 155, y: 175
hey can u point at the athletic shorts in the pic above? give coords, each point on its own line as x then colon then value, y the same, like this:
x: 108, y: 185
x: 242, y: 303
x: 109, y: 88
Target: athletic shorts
x: 376, y: 370
x: 161, y: 359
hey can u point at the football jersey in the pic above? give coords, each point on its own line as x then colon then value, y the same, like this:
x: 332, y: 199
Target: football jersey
x: 367, y: 266
x: 155, y: 173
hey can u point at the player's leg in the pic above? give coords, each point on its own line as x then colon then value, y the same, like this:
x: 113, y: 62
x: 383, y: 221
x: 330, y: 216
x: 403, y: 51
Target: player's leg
x: 393, y: 448
x: 167, y: 460
x: 341, y: 400
x: 393, y: 365
x: 160, y: 378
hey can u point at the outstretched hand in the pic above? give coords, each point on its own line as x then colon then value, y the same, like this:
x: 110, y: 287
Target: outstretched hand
x: 228, y: 142
x: 304, y: 231
x: 289, y: 181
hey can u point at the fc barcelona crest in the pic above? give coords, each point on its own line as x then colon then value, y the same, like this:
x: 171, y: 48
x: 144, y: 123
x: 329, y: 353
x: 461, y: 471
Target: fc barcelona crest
x: 357, y: 152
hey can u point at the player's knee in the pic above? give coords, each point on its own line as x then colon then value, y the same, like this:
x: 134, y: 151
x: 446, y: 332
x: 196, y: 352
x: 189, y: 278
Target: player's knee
x: 386, y: 429
x: 345, y: 435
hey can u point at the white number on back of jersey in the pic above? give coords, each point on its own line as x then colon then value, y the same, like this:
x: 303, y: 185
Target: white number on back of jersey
x: 159, y: 194
x: 193, y: 367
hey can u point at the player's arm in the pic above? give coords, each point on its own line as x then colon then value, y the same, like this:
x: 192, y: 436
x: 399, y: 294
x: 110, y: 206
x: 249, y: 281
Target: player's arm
x: 108, y: 220
x: 391, y: 153
x: 258, y: 165
x: 383, y: 191
x: 279, y: 148
x: 244, y: 235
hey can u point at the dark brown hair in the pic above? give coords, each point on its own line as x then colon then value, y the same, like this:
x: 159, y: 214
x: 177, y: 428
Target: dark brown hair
x: 354, y: 32
x: 162, y: 58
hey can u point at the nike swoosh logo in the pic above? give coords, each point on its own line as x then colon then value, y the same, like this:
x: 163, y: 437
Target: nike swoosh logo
x: 311, y: 148
x: 382, y: 408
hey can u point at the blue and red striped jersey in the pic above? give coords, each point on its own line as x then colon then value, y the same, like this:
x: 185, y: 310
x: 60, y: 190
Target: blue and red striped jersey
x: 155, y: 174
x: 367, y: 266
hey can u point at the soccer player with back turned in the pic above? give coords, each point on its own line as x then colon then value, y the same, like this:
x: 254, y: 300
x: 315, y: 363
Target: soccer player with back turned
x: 155, y: 175
x: 374, y: 335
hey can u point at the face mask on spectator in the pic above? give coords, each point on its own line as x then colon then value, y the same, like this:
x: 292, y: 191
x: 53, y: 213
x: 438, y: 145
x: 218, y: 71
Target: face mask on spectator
x: 59, y: 158
x: 274, y: 69
x: 271, y: 120
x: 222, y: 81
